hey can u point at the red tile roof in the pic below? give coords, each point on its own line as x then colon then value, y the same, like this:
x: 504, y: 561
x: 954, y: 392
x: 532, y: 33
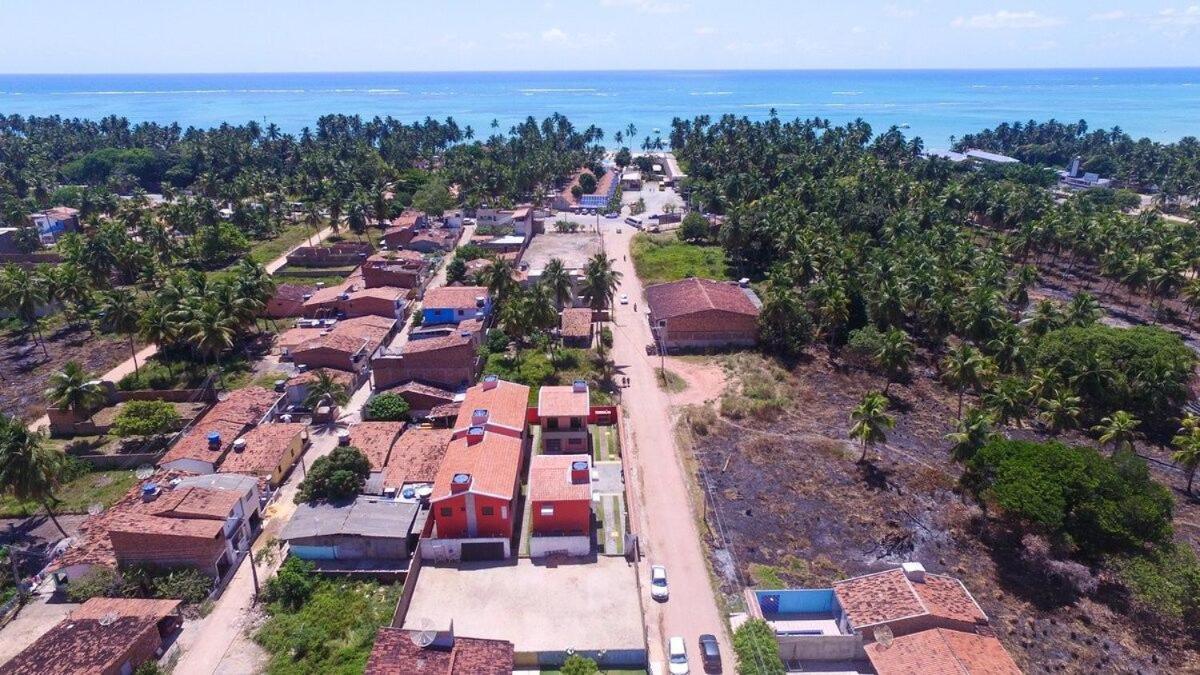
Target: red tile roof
x: 395, y: 257
x: 248, y: 405
x: 416, y: 456
x: 98, y: 637
x: 889, y: 596
x: 693, y: 295
x: 453, y: 297
x: 294, y: 337
x: 492, y: 463
x: 395, y: 653
x: 434, y: 344
x: 563, y: 401
x: 351, y: 336
x: 266, y: 447
x: 375, y: 439
x: 505, y: 404
x: 194, y: 443
x: 942, y: 652
x: 310, y: 376
x: 550, y: 479
x: 292, y: 292
x: 576, y: 322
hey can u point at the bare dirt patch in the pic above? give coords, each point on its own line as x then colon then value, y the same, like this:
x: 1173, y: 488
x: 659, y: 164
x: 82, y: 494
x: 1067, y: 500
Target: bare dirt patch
x: 704, y: 377
x: 788, y: 504
x: 25, y: 370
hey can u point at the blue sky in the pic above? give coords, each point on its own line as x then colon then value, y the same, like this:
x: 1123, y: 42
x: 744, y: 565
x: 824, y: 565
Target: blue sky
x: 122, y: 36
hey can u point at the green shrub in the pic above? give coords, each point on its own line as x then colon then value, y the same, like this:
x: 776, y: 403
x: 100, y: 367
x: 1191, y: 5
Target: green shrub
x: 144, y: 418
x: 497, y: 341
x: 1095, y: 503
x: 1143, y: 370
x: 1167, y: 581
x: 862, y: 345
x: 336, y: 476
x: 387, y: 407
x: 151, y: 375
x: 293, y: 585
x: 579, y: 665
x: 99, y: 582
x: 189, y: 585
x: 756, y: 649
x: 587, y: 183
x: 606, y: 337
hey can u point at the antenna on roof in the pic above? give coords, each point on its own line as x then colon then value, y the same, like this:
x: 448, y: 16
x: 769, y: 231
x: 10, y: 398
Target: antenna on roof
x: 109, y: 619
x: 884, y: 636
x: 144, y: 471
x: 424, y: 634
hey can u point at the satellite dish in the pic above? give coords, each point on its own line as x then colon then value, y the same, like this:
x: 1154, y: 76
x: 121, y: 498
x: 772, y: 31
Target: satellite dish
x: 95, y: 509
x: 424, y: 634
x: 144, y: 471
x: 884, y: 636
x: 109, y: 619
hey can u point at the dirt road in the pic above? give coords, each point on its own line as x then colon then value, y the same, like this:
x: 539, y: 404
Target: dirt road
x: 659, y: 484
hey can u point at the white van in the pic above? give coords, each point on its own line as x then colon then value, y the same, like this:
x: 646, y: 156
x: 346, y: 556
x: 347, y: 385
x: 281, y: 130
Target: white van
x: 634, y: 221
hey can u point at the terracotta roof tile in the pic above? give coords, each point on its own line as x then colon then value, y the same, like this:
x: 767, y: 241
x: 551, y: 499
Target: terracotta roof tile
x: 98, y: 608
x: 375, y: 439
x: 942, y: 652
x: 294, y: 337
x: 247, y: 405
x: 505, y: 404
x: 550, y: 479
x: 309, y: 376
x: 453, y: 297
x: 493, y: 464
x: 362, y: 333
x: 884, y: 597
x: 194, y: 443
x: 85, y: 646
x: 576, y: 322
x: 266, y: 447
x: 416, y: 456
x: 692, y: 295
x: 563, y: 401
x: 394, y: 653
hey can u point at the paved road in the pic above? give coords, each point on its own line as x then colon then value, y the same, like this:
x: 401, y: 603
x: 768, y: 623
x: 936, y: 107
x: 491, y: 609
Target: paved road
x: 660, y: 483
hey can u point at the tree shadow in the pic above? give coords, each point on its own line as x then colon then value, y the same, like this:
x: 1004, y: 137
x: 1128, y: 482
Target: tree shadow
x: 875, y: 477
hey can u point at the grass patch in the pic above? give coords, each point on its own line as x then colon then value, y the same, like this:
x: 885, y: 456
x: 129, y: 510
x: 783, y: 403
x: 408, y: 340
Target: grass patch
x: 796, y: 572
x: 332, y: 632
x: 94, y: 487
x: 763, y: 392
x: 267, y: 380
x: 669, y: 381
x: 659, y: 258
x: 611, y: 671
x: 289, y: 237
x: 328, y: 280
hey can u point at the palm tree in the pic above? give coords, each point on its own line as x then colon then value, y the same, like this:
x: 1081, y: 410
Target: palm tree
x: 1008, y: 401
x: 870, y: 421
x: 894, y: 356
x: 1083, y: 310
x: 24, y: 294
x: 157, y: 327
x: 600, y: 282
x: 1119, y: 430
x: 75, y: 389
x: 1060, y: 411
x: 1187, y: 448
x: 498, y: 277
x: 558, y: 281
x: 210, y: 330
x: 326, y: 388
x: 29, y: 470
x: 973, y: 432
x: 966, y: 367
x: 119, y: 312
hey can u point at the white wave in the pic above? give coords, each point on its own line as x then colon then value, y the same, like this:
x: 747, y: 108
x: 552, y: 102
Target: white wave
x: 847, y: 93
x: 386, y: 91
x: 271, y: 91
x: 563, y: 90
x: 162, y: 92
x: 711, y: 93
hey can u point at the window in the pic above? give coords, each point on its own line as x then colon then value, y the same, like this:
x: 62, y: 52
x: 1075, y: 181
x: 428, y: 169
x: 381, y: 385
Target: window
x: 546, y: 511
x: 552, y: 423
x: 489, y: 511
x: 446, y: 511
x: 576, y: 423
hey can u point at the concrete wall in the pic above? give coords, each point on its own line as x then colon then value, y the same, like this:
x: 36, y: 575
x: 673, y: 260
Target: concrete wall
x: 438, y: 550
x: 821, y: 647
x: 580, y: 545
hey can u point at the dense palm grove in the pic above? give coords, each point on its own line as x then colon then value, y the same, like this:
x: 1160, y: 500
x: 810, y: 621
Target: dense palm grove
x: 891, y: 260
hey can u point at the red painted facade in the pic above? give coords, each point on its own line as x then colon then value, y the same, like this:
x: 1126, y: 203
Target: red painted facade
x: 568, y: 517
x: 493, y: 517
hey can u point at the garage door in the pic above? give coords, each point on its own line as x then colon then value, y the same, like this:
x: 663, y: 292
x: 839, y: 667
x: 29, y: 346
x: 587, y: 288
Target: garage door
x: 483, y: 551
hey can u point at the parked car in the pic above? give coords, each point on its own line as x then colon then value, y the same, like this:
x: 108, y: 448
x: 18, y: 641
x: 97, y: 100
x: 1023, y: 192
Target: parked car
x: 624, y: 299
x: 710, y: 652
x: 658, y: 583
x: 677, y: 662
x: 613, y: 214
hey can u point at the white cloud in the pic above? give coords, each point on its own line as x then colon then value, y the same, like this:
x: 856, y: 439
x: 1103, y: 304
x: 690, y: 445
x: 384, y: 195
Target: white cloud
x: 554, y: 35
x: 897, y: 12
x: 1189, y: 16
x: 705, y: 30
x: 647, y: 6
x: 1007, y: 19
x: 1114, y: 15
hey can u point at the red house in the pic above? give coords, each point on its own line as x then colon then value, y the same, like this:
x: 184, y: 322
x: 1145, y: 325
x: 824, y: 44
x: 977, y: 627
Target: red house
x: 474, y: 501
x: 560, y: 494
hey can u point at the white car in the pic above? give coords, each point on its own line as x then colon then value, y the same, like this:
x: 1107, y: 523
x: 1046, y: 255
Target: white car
x: 658, y: 583
x: 677, y: 662
x: 624, y: 299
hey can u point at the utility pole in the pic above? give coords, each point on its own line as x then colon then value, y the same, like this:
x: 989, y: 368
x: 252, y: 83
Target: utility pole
x: 253, y: 571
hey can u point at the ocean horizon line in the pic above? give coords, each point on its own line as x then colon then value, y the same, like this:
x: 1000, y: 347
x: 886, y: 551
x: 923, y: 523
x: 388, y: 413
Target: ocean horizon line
x: 848, y: 69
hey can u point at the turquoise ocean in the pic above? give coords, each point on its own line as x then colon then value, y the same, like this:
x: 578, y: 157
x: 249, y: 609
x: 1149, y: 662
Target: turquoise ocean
x: 1162, y: 104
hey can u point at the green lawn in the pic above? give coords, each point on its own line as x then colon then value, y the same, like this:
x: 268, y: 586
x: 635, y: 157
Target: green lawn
x: 669, y: 381
x: 606, y: 443
x: 291, y: 235
x: 102, y: 487
x: 659, y: 258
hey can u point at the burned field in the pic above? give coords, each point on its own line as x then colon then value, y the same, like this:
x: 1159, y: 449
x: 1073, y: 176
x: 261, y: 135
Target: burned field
x: 788, y: 504
x: 25, y: 369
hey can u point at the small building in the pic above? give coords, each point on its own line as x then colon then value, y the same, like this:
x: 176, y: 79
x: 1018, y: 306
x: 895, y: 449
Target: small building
x: 352, y: 299
x: 106, y: 636
x: 366, y: 535
x: 434, y: 240
x: 336, y: 254
x: 397, y: 269
x: 268, y: 451
x: 631, y: 180
x: 297, y: 385
x: 575, y: 327
x: 403, y: 228
x: 1075, y: 178
x: 202, y: 448
x: 451, y: 361
x: 606, y: 187
x: 422, y: 398
x: 452, y: 304
x: 54, y: 223
x: 348, y: 346
x: 983, y: 156
x: 374, y: 439
x: 563, y: 415
x: 939, y: 651
x: 288, y: 301
x: 560, y: 496
x: 396, y: 652
x: 701, y: 314
x: 572, y: 250
x: 414, y: 461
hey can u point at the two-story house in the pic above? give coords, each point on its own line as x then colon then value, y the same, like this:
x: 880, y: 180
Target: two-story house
x: 563, y: 414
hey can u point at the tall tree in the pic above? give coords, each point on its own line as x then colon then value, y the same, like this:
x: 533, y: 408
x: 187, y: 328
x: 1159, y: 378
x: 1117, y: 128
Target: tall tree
x: 870, y: 422
x: 75, y: 389
x: 119, y: 312
x: 29, y: 469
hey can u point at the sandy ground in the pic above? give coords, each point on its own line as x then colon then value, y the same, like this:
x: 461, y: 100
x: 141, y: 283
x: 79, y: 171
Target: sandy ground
x: 665, y: 516
x: 706, y: 379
